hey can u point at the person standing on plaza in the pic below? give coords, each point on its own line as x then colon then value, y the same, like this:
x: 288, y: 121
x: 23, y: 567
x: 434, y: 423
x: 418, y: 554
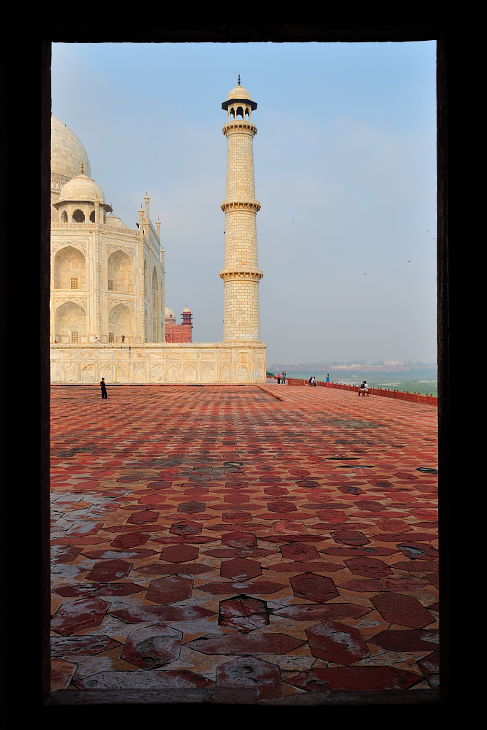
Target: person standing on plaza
x: 283, y: 377
x: 278, y: 378
x: 103, y: 388
x: 327, y: 381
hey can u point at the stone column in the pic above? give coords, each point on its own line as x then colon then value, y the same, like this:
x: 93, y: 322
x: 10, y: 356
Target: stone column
x: 241, y: 274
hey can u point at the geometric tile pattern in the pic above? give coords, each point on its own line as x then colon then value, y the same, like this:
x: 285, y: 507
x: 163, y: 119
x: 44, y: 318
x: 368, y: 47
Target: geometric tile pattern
x: 280, y: 540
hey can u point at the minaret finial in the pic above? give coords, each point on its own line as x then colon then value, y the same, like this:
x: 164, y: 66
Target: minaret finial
x: 239, y: 79
x: 82, y: 168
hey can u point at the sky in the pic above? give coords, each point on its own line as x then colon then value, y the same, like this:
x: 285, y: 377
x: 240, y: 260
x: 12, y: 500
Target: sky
x: 345, y: 172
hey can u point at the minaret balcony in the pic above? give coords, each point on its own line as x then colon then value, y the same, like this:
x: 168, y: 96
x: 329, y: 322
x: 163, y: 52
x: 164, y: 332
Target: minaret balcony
x: 240, y: 205
x: 241, y: 274
x: 238, y: 124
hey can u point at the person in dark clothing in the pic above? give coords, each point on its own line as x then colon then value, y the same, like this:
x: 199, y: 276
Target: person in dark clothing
x: 103, y: 388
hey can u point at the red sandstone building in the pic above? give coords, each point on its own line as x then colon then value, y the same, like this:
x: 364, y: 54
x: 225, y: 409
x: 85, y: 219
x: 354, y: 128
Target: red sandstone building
x: 179, y: 332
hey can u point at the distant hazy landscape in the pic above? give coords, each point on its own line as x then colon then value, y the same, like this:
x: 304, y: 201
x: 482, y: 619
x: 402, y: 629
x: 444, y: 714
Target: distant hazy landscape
x: 409, y: 377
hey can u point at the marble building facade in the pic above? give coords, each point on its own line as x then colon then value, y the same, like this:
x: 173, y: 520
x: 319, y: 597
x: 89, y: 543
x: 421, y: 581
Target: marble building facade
x: 108, y: 281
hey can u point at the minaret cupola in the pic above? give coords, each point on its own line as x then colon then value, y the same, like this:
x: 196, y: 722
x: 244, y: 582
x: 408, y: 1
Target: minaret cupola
x: 81, y: 200
x: 239, y: 105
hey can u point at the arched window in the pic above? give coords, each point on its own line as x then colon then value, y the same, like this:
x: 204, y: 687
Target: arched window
x: 120, y: 324
x: 155, y: 307
x: 78, y: 216
x: 69, y: 323
x: 120, y: 273
x: 64, y: 217
x: 70, y: 267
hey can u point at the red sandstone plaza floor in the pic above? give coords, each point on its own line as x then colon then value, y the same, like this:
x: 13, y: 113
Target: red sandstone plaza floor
x: 275, y: 540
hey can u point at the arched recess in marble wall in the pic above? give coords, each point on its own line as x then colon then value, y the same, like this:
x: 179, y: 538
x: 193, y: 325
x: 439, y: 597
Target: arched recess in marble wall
x: 146, y: 323
x: 155, y: 307
x: 120, y: 273
x: 120, y: 323
x: 70, y: 269
x: 70, y: 323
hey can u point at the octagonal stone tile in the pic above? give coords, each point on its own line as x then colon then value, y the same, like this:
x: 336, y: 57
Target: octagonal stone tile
x: 144, y: 679
x: 281, y: 507
x: 239, y: 539
x: 62, y: 673
x: 250, y: 672
x: 107, y: 571
x: 185, y: 528
x: 179, y: 553
x: 253, y: 643
x: 314, y: 587
x: 403, y: 610
x: 152, y: 646
x: 192, y: 507
x: 64, y: 553
x: 99, y: 589
x: 258, y: 586
x: 143, y: 517
x: 302, y: 552
x: 240, y: 569
x: 77, y: 616
x: 336, y: 642
x: 368, y: 567
x: 243, y: 613
x: 430, y: 666
x: 169, y: 589
x: 67, y: 646
x: 137, y: 614
x: 322, y: 612
x: 354, y: 679
x: 129, y: 540
x: 350, y: 537
x: 407, y: 640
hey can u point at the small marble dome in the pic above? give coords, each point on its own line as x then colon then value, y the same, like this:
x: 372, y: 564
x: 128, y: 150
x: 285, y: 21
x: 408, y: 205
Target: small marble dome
x: 81, y: 188
x: 169, y: 313
x: 115, y: 221
x: 239, y: 93
x: 186, y: 310
x: 67, y: 152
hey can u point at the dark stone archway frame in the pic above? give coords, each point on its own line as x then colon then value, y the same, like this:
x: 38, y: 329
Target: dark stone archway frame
x: 24, y: 498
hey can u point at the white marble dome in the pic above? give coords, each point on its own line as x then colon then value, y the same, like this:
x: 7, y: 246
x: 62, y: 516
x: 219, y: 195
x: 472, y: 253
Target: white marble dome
x: 81, y: 189
x: 239, y: 93
x: 67, y: 153
x: 115, y: 221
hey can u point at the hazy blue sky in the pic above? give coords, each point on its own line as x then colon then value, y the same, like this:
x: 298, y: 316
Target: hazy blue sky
x: 345, y: 171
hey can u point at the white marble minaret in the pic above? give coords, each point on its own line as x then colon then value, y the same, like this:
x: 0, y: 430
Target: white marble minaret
x: 241, y: 274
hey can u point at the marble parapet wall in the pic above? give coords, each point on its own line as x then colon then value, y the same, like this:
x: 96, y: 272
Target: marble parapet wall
x: 155, y: 363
